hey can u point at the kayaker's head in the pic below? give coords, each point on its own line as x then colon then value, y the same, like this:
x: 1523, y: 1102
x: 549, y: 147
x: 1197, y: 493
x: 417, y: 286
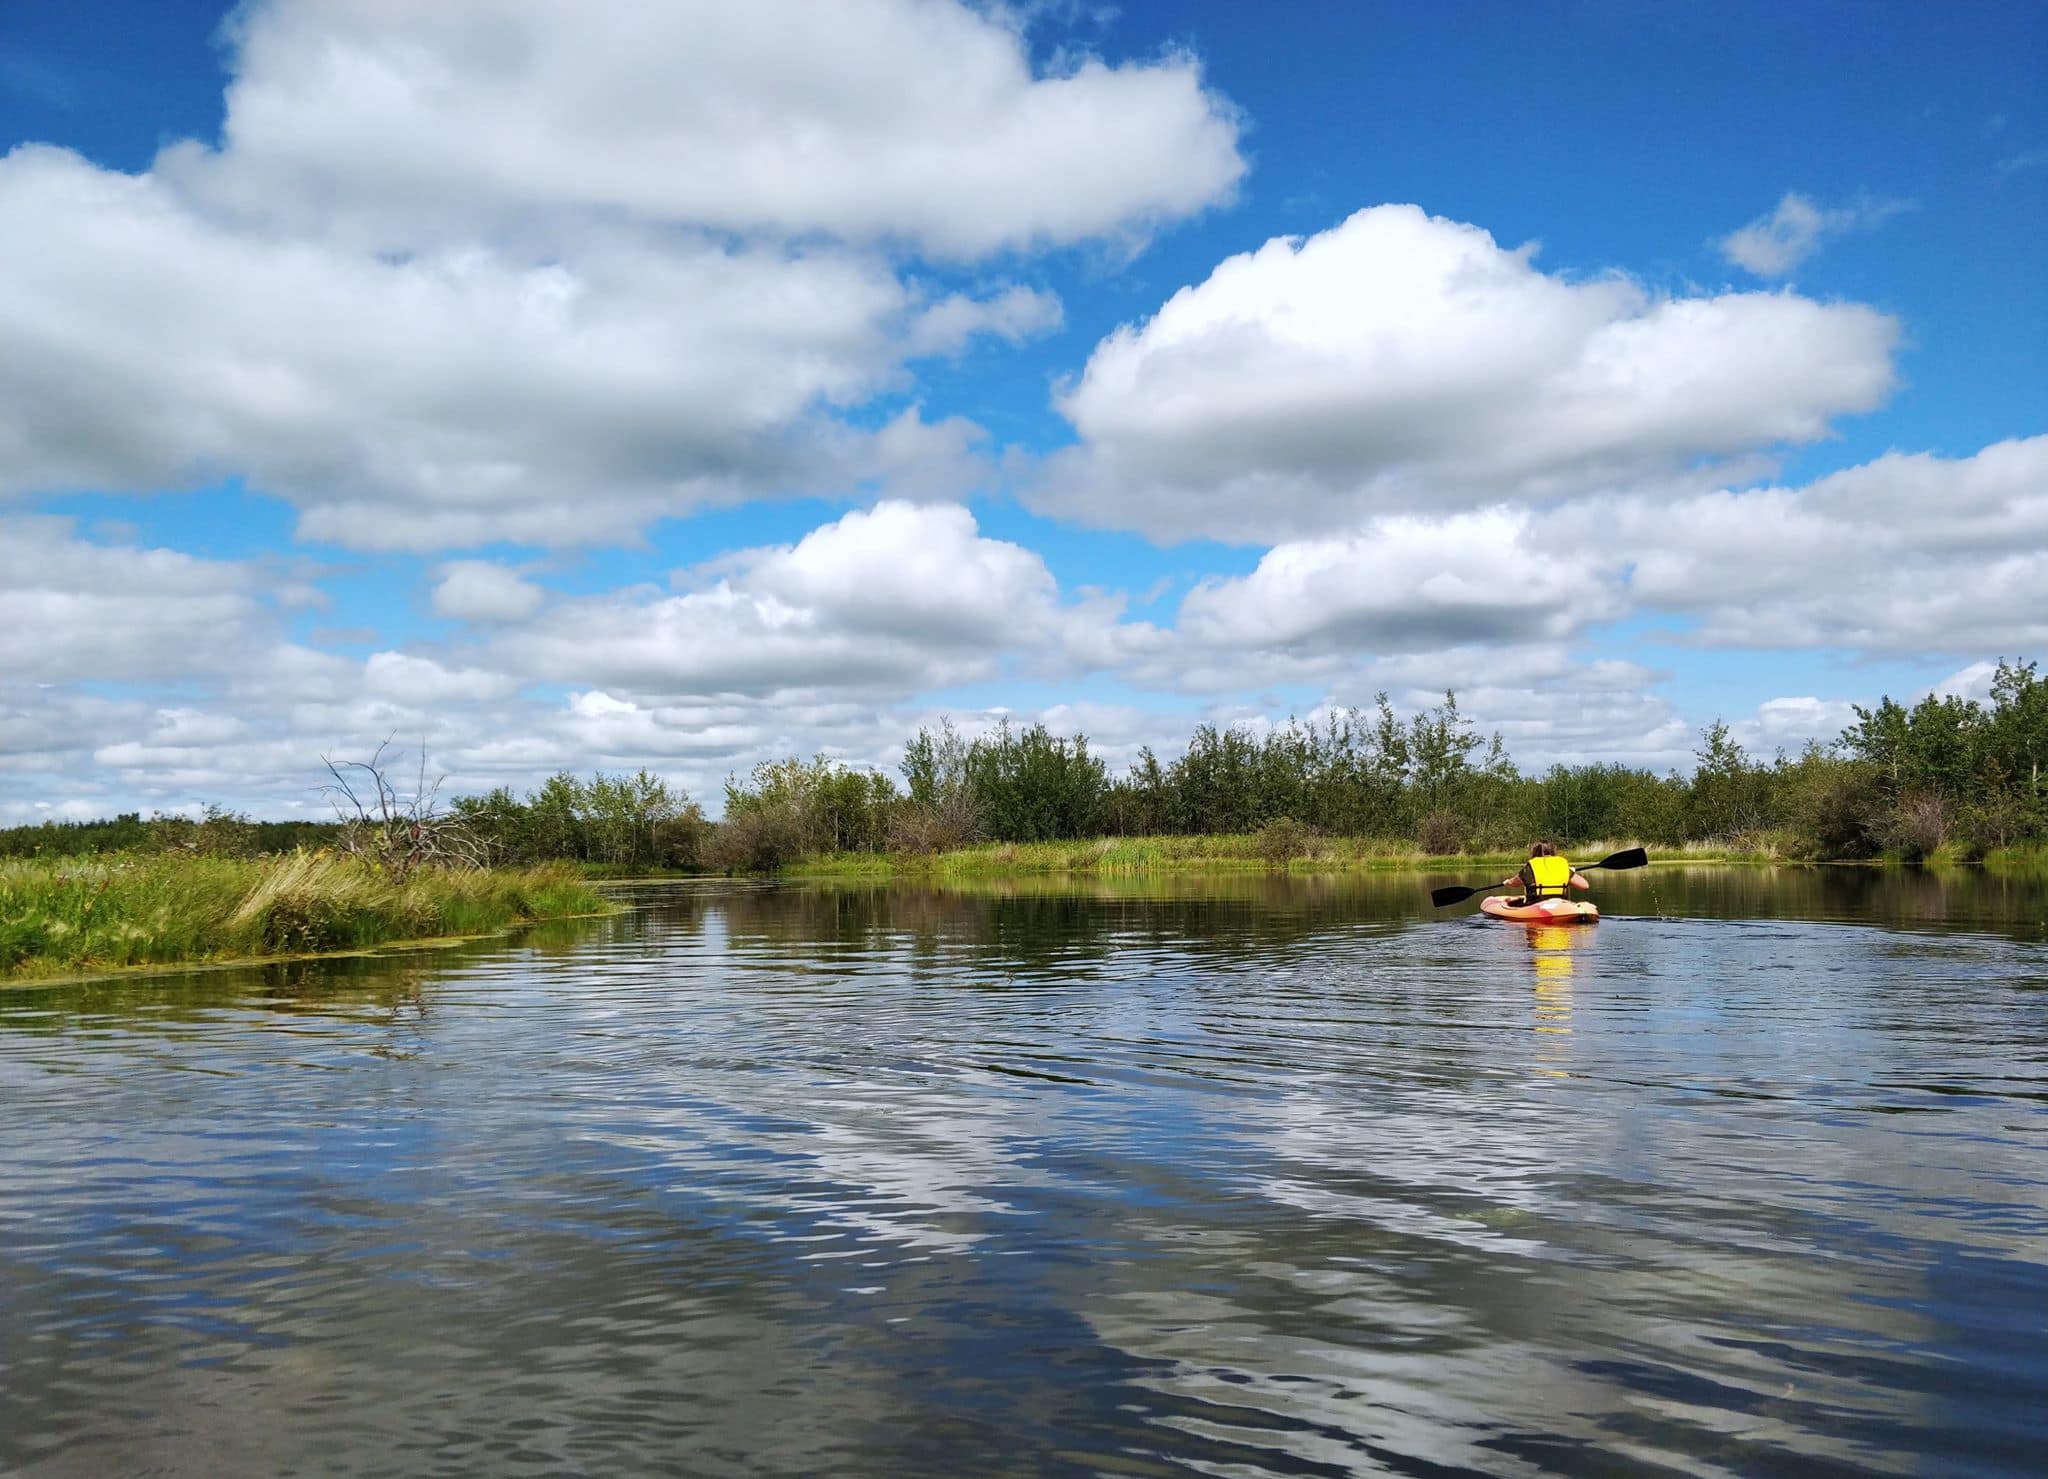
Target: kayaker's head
x: 1543, y: 850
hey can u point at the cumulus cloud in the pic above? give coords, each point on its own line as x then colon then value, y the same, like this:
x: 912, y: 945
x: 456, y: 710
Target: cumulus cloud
x: 827, y: 643
x: 74, y: 609
x: 441, y: 399
x: 1792, y: 723
x: 1911, y: 555
x: 922, y: 121
x: 839, y: 641
x: 892, y: 599
x: 1772, y: 245
x: 470, y: 273
x: 1404, y: 583
x: 479, y: 591
x: 1971, y: 682
x: 1016, y: 314
x: 1908, y: 554
x: 1401, y: 361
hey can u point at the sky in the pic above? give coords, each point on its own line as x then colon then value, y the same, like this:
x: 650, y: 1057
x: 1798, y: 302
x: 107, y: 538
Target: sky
x: 683, y: 386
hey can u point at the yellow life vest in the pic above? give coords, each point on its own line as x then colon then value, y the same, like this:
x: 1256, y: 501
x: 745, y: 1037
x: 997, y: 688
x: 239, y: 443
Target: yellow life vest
x: 1547, y: 878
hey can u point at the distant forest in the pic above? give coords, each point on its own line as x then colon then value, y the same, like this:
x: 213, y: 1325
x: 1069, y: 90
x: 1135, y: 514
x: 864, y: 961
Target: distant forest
x: 1948, y: 777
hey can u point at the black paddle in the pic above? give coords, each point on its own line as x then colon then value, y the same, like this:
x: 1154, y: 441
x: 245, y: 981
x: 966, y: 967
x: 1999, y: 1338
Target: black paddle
x: 1633, y: 857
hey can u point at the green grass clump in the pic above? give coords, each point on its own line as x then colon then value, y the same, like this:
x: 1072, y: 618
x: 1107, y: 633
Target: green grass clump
x: 2022, y: 857
x: 65, y: 916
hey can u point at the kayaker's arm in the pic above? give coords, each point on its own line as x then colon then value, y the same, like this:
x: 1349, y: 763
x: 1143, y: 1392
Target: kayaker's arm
x: 1579, y: 881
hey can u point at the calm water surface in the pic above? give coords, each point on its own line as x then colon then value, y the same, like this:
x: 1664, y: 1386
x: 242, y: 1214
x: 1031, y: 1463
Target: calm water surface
x: 1236, y: 1178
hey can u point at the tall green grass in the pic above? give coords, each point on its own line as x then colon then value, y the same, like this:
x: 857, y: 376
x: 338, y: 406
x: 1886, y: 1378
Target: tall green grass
x: 64, y: 916
x: 1221, y: 853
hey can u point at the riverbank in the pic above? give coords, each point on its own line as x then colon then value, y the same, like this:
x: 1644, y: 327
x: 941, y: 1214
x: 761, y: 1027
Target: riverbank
x: 76, y: 915
x: 1291, y: 853
x: 1223, y: 853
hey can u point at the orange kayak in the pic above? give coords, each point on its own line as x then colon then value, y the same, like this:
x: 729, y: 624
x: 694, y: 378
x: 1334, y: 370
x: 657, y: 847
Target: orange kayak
x: 1543, y: 911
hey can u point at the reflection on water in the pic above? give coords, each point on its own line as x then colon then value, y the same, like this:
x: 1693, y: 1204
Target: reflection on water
x: 1244, y: 1176
x: 1550, y: 953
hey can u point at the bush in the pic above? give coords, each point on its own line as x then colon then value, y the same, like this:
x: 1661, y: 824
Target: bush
x: 915, y: 828
x: 1282, y: 840
x: 757, y: 840
x: 1919, y: 825
x: 1441, y: 832
x: 1833, y: 812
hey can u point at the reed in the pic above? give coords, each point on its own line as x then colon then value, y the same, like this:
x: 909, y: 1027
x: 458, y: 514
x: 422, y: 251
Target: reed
x: 71, y: 915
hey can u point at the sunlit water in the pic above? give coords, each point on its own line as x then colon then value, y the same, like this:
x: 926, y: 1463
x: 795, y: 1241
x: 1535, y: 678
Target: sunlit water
x: 1245, y: 1177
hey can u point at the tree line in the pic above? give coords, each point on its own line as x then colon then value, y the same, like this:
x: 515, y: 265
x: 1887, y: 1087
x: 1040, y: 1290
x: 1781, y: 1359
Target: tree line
x: 1948, y: 776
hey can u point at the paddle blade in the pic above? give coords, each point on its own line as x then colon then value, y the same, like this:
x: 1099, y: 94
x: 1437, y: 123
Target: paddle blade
x: 1455, y: 894
x: 1634, y: 857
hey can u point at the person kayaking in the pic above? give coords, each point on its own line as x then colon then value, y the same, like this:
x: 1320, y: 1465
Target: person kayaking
x: 1544, y: 876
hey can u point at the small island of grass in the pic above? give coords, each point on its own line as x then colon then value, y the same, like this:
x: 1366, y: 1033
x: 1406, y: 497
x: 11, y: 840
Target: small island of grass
x: 65, y: 916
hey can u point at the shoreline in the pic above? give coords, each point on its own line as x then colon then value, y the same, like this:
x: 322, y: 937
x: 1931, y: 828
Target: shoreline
x: 1226, y: 854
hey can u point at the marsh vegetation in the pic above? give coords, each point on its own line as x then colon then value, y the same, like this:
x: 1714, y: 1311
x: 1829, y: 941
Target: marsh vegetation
x: 65, y: 915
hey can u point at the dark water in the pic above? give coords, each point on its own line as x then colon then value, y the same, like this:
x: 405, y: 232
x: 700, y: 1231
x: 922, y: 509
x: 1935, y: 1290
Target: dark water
x: 1236, y: 1178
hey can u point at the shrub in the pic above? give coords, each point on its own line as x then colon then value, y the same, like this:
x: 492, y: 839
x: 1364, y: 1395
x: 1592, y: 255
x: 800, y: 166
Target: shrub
x: 757, y: 840
x: 1919, y: 825
x: 1833, y: 813
x: 1441, y: 832
x: 1281, y: 840
x: 916, y: 828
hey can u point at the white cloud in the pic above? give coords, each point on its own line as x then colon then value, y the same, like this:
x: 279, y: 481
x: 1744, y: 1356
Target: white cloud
x: 913, y: 120
x: 73, y: 609
x: 46, y: 729
x: 1494, y: 576
x: 1014, y: 315
x: 838, y: 641
x: 470, y: 273
x: 888, y: 600
x: 1971, y: 682
x: 1790, y: 724
x: 1400, y: 361
x: 448, y: 398
x: 1910, y: 553
x: 1771, y: 246
x: 426, y: 683
x: 478, y: 591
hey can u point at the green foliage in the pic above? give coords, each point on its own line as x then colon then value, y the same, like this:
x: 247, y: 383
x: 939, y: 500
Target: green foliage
x: 621, y: 821
x: 1282, y: 840
x: 218, y: 833
x: 788, y: 808
x: 1951, y: 771
x: 1035, y: 786
x: 1729, y: 795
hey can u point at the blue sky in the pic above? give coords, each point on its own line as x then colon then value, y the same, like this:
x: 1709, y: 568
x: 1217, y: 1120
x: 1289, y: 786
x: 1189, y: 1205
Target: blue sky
x: 686, y: 387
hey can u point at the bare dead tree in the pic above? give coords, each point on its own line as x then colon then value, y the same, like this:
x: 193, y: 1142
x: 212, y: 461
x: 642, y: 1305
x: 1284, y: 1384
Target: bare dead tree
x: 395, y: 832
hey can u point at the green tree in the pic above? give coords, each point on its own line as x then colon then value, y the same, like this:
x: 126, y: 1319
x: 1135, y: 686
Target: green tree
x: 1727, y: 791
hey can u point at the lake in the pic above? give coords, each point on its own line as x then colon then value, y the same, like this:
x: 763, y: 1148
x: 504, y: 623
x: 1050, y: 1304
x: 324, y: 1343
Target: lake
x: 1231, y: 1176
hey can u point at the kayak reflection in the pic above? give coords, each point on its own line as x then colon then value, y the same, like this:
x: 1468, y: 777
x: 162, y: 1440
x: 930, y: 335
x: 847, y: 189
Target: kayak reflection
x: 1550, y: 952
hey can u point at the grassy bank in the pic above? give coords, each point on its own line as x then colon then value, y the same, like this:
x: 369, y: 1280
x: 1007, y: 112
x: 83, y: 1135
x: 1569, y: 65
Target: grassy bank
x: 66, y: 916
x: 1222, y: 853
x: 2030, y: 857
